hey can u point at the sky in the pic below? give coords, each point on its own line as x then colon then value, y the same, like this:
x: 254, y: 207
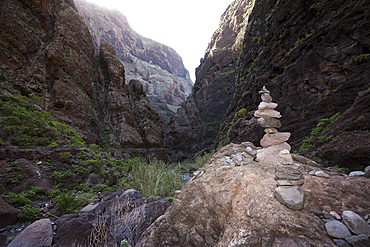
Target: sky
x: 186, y: 26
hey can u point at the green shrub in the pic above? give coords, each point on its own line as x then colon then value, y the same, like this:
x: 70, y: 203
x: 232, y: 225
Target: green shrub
x: 16, y: 199
x: 102, y: 188
x: 170, y: 199
x: 24, y: 126
x: 307, y: 142
x: 29, y: 213
x: 242, y: 112
x: 84, y: 187
x: 24, y: 197
x: 155, y: 179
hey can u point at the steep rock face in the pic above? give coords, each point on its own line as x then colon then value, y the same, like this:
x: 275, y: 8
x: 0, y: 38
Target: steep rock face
x: 312, y: 56
x: 134, y: 123
x: 213, y: 89
x: 47, y: 51
x: 47, y: 54
x: 158, y: 67
x: 236, y: 207
x: 349, y: 137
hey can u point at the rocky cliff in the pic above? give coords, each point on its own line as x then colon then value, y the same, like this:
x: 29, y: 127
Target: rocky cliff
x: 54, y: 87
x: 214, y: 87
x: 314, y: 58
x: 158, y: 67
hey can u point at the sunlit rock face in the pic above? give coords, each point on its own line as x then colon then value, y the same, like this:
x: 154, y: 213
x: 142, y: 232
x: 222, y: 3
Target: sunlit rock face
x: 158, y: 67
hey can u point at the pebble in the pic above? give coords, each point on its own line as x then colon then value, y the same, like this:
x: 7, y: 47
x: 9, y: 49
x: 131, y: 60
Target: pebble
x: 357, y: 174
x: 321, y: 174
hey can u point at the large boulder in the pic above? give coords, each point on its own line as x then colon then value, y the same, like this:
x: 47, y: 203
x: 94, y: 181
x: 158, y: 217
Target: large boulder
x: 39, y: 233
x: 8, y: 214
x: 236, y: 207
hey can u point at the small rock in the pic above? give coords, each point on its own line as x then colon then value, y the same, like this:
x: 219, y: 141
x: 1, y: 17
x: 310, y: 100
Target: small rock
x: 271, y: 130
x: 94, y: 208
x: 94, y: 179
x: 39, y: 234
x: 357, y: 174
x: 274, y: 139
x: 247, y: 161
x: 267, y: 113
x: 226, y: 167
x: 293, y: 171
x: 335, y: 214
x: 321, y: 174
x: 266, y: 105
x: 132, y: 194
x: 266, y: 97
x: 312, y: 173
x: 367, y: 217
x: 285, y: 182
x: 358, y: 241
x: 267, y: 122
x: 355, y: 223
x: 367, y: 172
x: 177, y: 192
x: 322, y: 215
x: 250, y: 151
x: 292, y: 197
x: 337, y: 229
x: 341, y: 243
x: 285, y: 158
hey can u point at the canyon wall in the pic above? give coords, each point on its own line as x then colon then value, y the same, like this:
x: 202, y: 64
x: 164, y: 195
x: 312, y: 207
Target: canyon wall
x: 312, y: 56
x: 47, y: 56
x: 158, y: 67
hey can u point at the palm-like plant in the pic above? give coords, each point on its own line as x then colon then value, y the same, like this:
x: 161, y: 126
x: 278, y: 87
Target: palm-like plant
x: 66, y: 202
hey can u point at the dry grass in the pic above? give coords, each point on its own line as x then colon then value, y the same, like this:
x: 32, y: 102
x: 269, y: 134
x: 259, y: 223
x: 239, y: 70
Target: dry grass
x: 124, y: 224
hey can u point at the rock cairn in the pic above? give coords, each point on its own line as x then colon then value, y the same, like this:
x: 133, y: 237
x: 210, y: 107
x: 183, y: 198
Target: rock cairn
x: 289, y: 179
x: 273, y: 141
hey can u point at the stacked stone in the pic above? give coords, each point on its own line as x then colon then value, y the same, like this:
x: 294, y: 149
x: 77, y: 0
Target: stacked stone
x: 289, y: 177
x: 273, y: 141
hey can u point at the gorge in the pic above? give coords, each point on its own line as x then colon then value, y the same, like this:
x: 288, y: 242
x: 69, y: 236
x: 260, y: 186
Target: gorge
x: 91, y: 110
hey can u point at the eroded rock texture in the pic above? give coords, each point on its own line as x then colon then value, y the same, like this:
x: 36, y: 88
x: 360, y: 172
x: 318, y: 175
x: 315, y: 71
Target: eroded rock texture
x: 236, y: 207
